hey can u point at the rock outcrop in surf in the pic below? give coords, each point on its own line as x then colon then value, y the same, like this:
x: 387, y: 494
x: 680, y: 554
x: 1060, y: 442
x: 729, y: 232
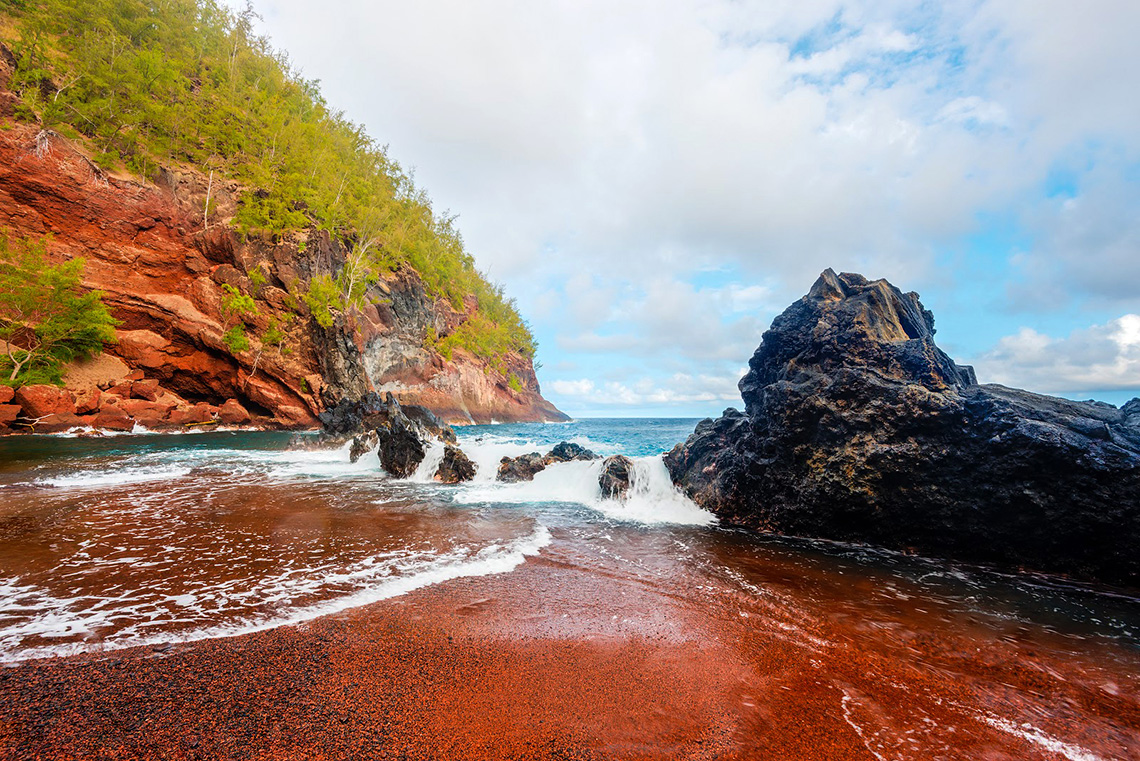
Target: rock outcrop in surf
x: 525, y: 467
x: 400, y: 434
x: 858, y: 427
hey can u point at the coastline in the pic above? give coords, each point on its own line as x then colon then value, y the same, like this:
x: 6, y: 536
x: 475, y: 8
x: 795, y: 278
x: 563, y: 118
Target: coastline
x: 579, y: 654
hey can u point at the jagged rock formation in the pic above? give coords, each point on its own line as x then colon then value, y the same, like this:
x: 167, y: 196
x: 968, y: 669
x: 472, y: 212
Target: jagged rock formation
x: 399, y: 433
x: 858, y: 427
x: 525, y: 467
x: 148, y: 246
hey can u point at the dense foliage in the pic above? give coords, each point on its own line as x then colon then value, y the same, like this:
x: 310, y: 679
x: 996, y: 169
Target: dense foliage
x: 149, y: 82
x: 46, y: 319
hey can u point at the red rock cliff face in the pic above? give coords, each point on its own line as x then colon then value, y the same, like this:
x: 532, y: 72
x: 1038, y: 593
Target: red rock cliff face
x: 148, y: 247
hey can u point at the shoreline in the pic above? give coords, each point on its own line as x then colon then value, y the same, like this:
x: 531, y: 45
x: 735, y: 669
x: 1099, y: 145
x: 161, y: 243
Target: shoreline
x: 575, y: 654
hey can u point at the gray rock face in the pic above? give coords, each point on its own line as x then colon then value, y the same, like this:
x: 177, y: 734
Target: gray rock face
x: 615, y: 479
x: 858, y: 427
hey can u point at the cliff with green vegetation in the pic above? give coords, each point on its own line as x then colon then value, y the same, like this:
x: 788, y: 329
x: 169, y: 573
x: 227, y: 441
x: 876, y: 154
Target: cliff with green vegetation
x: 251, y: 242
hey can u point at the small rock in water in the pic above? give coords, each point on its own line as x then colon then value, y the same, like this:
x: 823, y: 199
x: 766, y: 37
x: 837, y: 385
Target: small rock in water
x: 616, y: 476
x: 521, y: 468
x: 363, y: 444
x: 454, y: 467
x: 566, y: 451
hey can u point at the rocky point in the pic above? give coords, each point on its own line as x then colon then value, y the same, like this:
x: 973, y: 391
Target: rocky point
x: 857, y: 427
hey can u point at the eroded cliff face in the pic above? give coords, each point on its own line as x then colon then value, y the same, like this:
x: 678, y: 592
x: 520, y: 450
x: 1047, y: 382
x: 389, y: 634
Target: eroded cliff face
x: 163, y: 265
x: 858, y: 427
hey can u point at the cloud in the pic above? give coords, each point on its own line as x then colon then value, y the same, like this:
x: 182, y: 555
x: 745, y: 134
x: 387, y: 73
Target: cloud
x: 606, y: 156
x: 1098, y: 358
x: 680, y: 388
x: 1086, y: 245
x: 665, y: 319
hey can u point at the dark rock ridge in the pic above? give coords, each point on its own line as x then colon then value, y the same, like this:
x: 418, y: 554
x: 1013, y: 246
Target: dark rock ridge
x: 525, y: 467
x: 374, y: 411
x: 521, y: 468
x: 858, y: 427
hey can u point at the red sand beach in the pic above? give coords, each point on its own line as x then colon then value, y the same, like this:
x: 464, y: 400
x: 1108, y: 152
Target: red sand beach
x: 581, y: 653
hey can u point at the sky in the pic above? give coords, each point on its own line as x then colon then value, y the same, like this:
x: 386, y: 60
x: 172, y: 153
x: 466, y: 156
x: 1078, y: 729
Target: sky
x: 655, y: 181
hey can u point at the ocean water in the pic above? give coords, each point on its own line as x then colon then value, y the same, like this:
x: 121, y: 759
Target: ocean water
x: 121, y: 541
x: 145, y: 539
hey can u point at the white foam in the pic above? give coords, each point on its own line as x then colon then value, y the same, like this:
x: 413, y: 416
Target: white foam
x: 382, y: 578
x: 104, y: 478
x: 1030, y: 733
x: 652, y: 498
x: 433, y: 456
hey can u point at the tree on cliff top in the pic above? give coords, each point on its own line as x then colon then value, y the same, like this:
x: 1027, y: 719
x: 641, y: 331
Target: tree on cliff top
x: 46, y: 319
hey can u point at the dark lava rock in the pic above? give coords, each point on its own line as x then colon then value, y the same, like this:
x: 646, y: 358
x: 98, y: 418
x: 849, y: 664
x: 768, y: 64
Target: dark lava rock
x: 362, y: 444
x: 616, y: 476
x: 401, y: 450
x: 397, y: 432
x: 521, y: 468
x: 373, y: 411
x: 858, y: 427
x: 454, y: 467
x: 566, y: 452
x: 524, y: 467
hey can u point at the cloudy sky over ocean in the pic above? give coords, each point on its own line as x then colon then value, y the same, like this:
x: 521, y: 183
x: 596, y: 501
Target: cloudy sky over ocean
x: 655, y: 181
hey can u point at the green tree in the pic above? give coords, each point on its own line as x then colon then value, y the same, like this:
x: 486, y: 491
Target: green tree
x: 236, y: 307
x: 46, y: 317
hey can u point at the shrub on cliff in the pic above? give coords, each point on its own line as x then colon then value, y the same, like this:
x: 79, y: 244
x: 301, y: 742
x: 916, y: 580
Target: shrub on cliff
x: 46, y: 318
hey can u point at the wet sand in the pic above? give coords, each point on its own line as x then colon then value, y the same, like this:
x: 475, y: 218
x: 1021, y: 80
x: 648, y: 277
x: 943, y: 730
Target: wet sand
x: 590, y: 651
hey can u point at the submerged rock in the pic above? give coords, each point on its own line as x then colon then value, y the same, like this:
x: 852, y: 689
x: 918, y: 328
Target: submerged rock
x: 858, y: 427
x: 521, y: 468
x: 455, y: 467
x: 616, y: 476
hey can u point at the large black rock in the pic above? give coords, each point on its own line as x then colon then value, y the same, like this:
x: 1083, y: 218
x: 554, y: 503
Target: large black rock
x: 858, y: 427
x: 398, y: 432
x: 372, y: 411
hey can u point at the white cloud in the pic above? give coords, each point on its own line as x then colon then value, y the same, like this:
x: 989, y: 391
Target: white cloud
x: 680, y: 388
x: 604, y: 154
x: 1086, y: 244
x: 1099, y: 358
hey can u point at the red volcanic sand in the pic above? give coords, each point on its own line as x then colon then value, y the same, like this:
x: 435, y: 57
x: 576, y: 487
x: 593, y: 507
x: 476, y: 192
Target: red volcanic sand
x: 571, y: 657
